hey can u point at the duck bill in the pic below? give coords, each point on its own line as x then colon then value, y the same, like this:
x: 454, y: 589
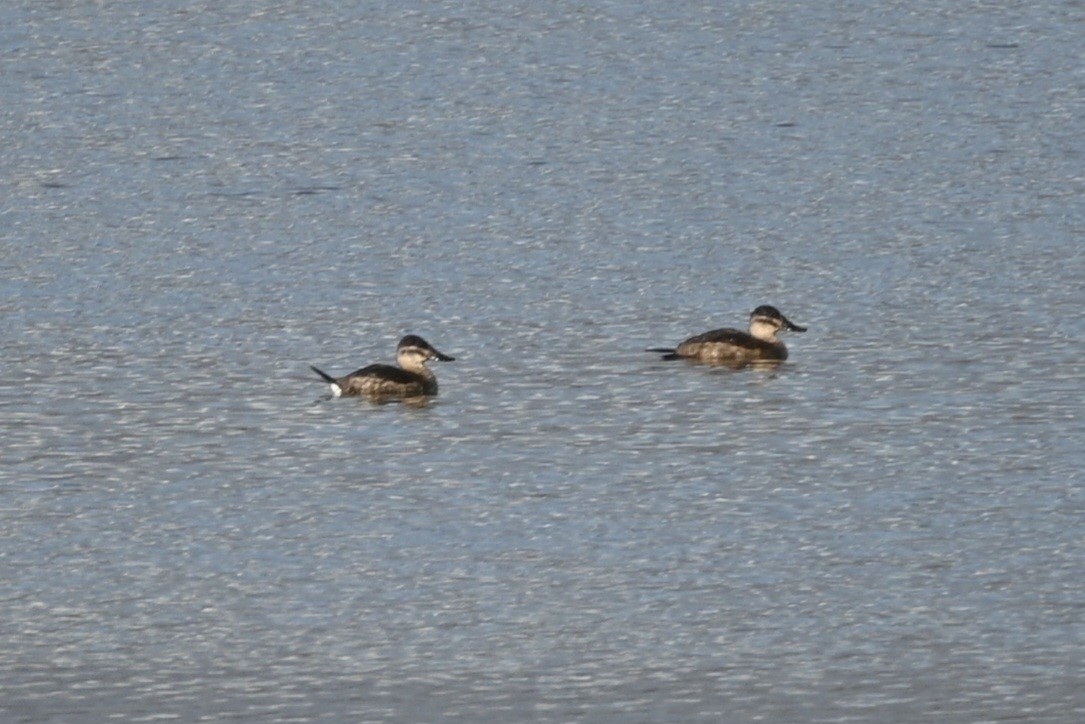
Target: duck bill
x: 792, y: 327
x: 442, y: 356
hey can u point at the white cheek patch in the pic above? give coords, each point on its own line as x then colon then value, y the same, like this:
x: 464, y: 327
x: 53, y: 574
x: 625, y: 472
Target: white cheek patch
x: 763, y: 329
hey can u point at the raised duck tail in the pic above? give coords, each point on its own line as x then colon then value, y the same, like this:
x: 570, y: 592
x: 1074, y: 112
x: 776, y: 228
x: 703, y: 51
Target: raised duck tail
x: 323, y: 375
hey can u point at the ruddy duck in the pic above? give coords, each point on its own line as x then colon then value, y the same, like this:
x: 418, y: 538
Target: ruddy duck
x: 736, y: 348
x: 410, y: 379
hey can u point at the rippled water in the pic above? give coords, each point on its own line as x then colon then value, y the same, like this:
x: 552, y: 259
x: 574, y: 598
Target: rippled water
x: 201, y: 201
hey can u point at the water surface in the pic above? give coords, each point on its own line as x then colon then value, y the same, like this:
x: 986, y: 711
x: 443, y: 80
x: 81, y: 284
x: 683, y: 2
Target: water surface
x: 202, y: 201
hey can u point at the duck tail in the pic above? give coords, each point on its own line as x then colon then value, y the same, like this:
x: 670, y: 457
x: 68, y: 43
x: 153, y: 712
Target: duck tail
x: 667, y: 352
x: 323, y: 375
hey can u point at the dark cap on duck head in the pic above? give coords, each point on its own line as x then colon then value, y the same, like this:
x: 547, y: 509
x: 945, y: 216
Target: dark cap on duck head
x: 413, y: 340
x: 768, y: 311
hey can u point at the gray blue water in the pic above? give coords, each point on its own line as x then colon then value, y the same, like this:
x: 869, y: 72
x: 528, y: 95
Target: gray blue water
x: 200, y: 200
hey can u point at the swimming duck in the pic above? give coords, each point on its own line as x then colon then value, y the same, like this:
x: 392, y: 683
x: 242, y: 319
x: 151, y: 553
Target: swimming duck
x: 737, y: 348
x: 410, y: 379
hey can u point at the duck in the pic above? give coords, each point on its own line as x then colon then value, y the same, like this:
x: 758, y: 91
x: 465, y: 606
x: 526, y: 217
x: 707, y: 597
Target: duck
x: 736, y: 348
x: 411, y: 379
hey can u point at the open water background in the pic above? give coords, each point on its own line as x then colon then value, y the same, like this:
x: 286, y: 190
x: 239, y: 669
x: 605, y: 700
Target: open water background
x: 201, y: 199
